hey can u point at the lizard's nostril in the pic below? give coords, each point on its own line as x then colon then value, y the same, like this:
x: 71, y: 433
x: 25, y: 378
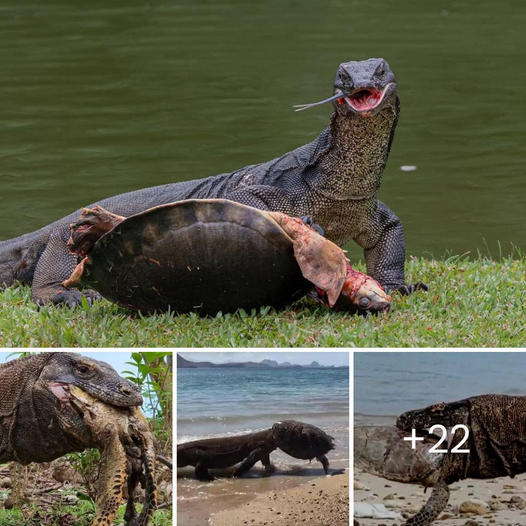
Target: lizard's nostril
x: 126, y: 390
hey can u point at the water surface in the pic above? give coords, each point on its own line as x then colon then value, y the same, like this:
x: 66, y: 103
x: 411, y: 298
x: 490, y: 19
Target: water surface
x: 98, y: 100
x: 387, y: 384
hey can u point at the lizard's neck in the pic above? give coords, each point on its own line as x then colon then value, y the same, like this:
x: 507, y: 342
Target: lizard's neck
x: 352, y: 167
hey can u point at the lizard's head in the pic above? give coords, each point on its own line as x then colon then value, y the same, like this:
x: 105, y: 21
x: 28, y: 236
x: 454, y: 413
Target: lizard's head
x: 365, y: 86
x: 362, y: 88
x: 97, y: 378
x: 447, y: 414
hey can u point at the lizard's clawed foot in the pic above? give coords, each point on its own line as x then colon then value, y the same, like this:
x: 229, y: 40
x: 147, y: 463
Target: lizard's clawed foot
x: 405, y: 289
x: 73, y: 298
x: 309, y: 221
x: 270, y: 469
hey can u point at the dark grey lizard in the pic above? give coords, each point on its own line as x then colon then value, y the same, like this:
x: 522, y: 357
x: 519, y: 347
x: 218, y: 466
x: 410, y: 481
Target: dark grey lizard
x: 35, y: 410
x: 298, y: 439
x: 496, y: 443
x: 334, y: 179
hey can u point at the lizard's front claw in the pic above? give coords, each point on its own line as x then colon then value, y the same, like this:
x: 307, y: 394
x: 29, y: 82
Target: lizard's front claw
x: 270, y: 469
x: 73, y: 298
x: 406, y: 289
x: 309, y: 221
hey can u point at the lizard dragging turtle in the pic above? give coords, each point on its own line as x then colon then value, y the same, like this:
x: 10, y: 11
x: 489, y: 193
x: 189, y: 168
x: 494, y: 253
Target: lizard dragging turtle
x: 334, y: 179
x: 496, y: 445
x: 298, y: 439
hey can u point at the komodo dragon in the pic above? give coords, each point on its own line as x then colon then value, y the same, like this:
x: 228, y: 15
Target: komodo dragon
x: 496, y: 443
x: 298, y: 439
x: 38, y: 423
x: 334, y: 179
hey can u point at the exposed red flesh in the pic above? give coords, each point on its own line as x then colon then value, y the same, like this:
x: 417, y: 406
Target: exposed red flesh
x: 61, y: 391
x: 365, y: 99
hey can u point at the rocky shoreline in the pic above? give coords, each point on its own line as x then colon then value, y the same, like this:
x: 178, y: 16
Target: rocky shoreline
x: 500, y: 502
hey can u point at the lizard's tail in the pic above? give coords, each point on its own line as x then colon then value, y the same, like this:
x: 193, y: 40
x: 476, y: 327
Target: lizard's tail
x: 19, y: 257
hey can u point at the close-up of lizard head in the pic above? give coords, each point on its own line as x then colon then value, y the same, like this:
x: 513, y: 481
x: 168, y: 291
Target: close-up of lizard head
x: 93, y: 376
x: 446, y: 414
x: 365, y: 87
x: 361, y: 88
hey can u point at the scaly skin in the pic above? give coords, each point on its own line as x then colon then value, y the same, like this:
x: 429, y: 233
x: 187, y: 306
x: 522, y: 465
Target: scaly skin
x: 497, y: 444
x: 334, y: 179
x: 115, y: 430
x: 298, y: 439
x: 34, y: 403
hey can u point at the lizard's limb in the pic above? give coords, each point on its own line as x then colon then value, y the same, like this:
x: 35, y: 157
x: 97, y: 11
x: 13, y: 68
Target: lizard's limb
x: 385, y: 255
x: 252, y: 458
x: 201, y: 472
x: 54, y: 266
x: 433, y: 507
x: 265, y: 460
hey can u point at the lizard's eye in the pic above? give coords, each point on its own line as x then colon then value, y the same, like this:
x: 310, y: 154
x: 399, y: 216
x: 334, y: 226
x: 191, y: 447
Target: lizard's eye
x: 380, y: 71
x: 83, y: 369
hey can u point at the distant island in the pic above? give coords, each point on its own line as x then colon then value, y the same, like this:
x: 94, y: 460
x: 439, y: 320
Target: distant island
x: 183, y: 363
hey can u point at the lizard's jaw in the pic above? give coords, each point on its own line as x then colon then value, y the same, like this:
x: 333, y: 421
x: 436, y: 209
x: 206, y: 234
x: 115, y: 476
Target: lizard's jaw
x: 62, y: 392
x: 365, y: 100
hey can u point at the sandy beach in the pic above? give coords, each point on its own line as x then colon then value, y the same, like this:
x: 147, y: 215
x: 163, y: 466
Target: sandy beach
x: 289, y: 489
x: 500, y: 501
x: 323, y: 501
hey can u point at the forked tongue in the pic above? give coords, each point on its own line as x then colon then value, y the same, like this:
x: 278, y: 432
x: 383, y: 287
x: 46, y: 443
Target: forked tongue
x: 301, y: 107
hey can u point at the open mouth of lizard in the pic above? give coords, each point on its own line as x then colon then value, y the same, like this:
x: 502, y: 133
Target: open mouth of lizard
x: 364, y: 99
x: 62, y: 392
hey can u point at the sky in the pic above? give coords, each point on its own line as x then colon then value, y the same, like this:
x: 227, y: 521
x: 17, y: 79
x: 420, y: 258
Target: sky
x: 294, y: 357
x: 118, y: 359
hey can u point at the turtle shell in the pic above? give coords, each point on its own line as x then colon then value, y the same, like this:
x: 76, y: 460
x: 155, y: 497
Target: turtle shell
x: 202, y: 255
x: 300, y: 440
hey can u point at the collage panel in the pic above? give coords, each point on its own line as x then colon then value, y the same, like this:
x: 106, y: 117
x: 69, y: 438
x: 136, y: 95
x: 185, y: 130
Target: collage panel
x: 86, y: 438
x: 255, y: 173
x: 262, y: 187
x: 262, y: 438
x: 453, y: 423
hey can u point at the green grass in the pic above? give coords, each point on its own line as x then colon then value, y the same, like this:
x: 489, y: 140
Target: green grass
x: 470, y: 303
x: 80, y: 514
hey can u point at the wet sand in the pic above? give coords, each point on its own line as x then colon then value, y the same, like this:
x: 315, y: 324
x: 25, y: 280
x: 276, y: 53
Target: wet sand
x: 319, y: 502
x: 198, y: 502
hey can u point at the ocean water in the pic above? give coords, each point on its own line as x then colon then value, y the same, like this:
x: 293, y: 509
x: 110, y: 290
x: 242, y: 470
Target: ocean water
x: 222, y: 402
x: 212, y: 402
x: 387, y: 384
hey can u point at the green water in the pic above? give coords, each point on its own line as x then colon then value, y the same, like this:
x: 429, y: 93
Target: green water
x: 97, y: 100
